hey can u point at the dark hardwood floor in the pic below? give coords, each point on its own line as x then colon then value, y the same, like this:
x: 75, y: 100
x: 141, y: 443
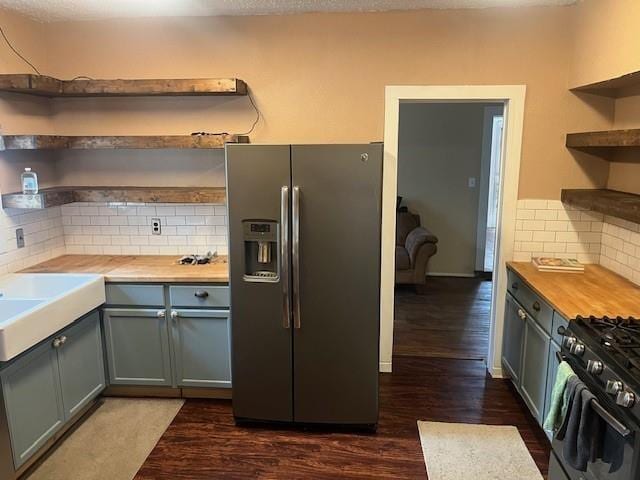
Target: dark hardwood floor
x: 450, y: 319
x: 204, y: 443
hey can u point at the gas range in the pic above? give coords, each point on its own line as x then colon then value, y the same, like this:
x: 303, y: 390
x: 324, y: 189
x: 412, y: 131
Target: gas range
x: 605, y: 354
x: 609, y: 351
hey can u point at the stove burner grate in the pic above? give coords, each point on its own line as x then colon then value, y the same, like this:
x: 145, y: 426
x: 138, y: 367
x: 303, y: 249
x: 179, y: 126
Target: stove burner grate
x: 620, y: 336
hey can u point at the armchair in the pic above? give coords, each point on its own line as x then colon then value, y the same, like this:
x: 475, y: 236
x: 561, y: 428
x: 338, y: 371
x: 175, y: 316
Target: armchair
x: 415, y: 245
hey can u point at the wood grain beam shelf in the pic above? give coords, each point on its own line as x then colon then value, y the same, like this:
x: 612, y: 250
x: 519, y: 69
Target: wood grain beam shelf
x: 604, y: 139
x: 44, y: 86
x: 56, y: 196
x: 614, y: 87
x: 608, y: 202
x: 59, y: 142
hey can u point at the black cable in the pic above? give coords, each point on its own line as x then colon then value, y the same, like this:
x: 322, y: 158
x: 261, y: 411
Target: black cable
x: 258, y: 115
x: 18, y: 53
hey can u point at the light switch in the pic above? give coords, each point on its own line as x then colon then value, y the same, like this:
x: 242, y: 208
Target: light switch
x: 472, y: 182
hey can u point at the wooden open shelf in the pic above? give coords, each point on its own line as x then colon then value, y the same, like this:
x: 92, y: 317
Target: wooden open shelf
x: 58, y: 142
x: 604, y: 139
x: 614, y: 87
x: 52, y: 197
x: 44, y: 86
x: 608, y: 202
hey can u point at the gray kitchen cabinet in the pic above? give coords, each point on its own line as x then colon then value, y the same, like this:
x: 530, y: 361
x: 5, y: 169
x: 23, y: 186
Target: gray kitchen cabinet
x: 535, y: 356
x: 46, y: 386
x: 201, y: 348
x: 552, y: 369
x: 81, y: 364
x: 184, y: 344
x: 137, y: 343
x: 33, y: 401
x: 512, y: 340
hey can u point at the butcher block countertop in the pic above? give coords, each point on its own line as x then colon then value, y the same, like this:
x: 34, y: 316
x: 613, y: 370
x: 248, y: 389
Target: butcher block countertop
x: 137, y: 268
x: 597, y: 291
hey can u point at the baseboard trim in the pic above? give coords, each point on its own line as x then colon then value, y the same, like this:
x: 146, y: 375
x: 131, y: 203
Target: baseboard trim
x: 167, y: 392
x: 385, y: 367
x: 448, y: 274
x: 496, y: 372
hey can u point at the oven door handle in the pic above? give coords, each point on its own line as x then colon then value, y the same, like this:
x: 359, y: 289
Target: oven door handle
x: 600, y: 410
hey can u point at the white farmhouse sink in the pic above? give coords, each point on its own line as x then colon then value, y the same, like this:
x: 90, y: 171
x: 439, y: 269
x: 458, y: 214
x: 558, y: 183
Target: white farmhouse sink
x: 11, y: 308
x: 34, y: 306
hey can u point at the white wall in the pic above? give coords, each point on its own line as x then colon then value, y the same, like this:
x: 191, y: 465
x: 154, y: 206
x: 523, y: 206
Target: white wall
x: 440, y: 148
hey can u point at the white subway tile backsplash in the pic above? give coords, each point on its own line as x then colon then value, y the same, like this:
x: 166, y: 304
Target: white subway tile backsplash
x: 556, y: 225
x: 533, y: 225
x: 44, y: 237
x: 543, y: 236
x: 176, y: 221
x: 556, y: 231
x: 546, y: 215
x: 523, y: 214
x: 570, y: 232
x: 112, y: 229
x: 535, y: 204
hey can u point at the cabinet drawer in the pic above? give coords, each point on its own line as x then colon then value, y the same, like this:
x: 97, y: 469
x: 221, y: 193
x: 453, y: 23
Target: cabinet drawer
x: 199, y: 296
x: 137, y: 295
x: 533, y: 304
x: 558, y: 321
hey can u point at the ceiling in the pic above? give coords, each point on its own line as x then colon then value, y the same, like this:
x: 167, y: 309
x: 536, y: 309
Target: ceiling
x: 60, y: 10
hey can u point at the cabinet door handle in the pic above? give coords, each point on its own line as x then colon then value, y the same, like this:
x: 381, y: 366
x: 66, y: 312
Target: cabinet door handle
x: 63, y: 340
x: 522, y: 314
x: 514, y: 285
x: 201, y: 294
x: 536, y: 306
x: 56, y: 343
x: 161, y: 314
x: 174, y: 315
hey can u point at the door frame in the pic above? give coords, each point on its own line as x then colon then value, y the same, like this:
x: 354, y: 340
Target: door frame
x: 513, y: 98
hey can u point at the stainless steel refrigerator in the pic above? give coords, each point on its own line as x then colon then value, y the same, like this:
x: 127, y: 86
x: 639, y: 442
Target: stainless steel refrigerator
x: 304, y: 253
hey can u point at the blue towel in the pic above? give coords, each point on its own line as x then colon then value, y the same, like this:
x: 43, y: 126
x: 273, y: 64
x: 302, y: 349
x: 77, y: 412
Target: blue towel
x: 581, y: 430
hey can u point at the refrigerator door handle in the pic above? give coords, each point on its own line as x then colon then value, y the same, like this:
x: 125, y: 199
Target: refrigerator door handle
x: 284, y: 256
x: 295, y: 255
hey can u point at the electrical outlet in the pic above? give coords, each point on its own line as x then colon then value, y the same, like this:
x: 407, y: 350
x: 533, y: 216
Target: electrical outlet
x: 156, y: 226
x: 472, y: 182
x: 20, y: 237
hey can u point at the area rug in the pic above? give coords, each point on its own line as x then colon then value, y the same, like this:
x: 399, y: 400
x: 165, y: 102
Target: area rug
x: 459, y: 451
x: 112, y: 443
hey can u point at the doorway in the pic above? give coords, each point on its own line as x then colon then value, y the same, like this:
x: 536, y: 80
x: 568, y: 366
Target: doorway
x: 512, y: 99
x: 444, y: 157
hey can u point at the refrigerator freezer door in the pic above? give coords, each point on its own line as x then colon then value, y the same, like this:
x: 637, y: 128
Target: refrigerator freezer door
x: 336, y: 336
x: 261, y: 339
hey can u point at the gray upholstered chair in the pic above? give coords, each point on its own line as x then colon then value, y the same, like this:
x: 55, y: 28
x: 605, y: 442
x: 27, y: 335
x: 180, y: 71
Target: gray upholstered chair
x: 415, y: 245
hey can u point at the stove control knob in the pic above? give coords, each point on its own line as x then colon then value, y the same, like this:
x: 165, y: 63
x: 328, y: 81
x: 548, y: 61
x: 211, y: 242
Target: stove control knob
x: 626, y: 399
x: 595, y: 367
x: 569, y: 342
x: 614, y: 387
x: 577, y: 349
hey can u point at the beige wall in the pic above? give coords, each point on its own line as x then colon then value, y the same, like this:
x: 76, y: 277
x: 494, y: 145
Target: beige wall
x: 19, y: 112
x: 439, y: 149
x: 605, y: 41
x: 321, y: 78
